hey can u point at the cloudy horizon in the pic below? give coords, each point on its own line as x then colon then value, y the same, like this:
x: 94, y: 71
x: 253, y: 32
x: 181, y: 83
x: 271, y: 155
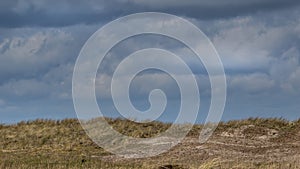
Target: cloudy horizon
x: 258, y: 43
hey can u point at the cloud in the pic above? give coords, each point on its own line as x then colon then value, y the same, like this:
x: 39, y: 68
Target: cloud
x: 33, y: 55
x: 256, y: 83
x: 258, y: 42
x: 20, y: 13
x: 295, y: 81
x: 28, y: 88
x: 37, y: 64
x: 215, y: 9
x: 249, y: 44
x: 2, y: 103
x: 258, y: 57
x: 55, y: 84
x: 285, y: 70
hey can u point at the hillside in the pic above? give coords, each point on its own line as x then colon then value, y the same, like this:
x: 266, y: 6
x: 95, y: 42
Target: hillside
x: 251, y: 143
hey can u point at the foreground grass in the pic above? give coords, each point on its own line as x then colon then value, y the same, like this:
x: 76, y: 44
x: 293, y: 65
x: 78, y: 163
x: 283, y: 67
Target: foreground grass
x: 64, y: 144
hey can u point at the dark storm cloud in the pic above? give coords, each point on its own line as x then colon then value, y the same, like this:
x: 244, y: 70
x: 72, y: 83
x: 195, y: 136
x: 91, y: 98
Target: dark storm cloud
x: 48, y: 13
x: 45, y: 13
x: 219, y: 9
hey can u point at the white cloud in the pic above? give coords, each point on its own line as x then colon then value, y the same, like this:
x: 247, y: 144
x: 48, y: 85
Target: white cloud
x: 239, y: 46
x: 247, y: 43
x: 28, y: 56
x: 251, y: 84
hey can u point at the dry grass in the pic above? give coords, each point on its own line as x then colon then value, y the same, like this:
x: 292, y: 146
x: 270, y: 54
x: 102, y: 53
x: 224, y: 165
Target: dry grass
x: 250, y: 143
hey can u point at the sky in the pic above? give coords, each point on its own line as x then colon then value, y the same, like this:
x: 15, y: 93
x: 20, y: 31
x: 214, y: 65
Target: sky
x: 258, y: 42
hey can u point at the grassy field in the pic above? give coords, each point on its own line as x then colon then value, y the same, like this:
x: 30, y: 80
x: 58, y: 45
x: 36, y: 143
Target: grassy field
x: 250, y: 143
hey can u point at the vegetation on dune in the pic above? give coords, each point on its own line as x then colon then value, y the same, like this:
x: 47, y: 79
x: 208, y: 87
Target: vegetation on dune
x: 64, y: 144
